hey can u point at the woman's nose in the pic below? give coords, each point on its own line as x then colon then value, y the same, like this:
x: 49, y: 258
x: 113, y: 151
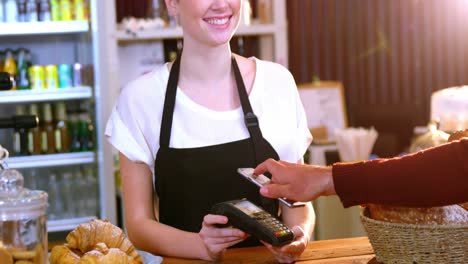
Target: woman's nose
x: 220, y: 4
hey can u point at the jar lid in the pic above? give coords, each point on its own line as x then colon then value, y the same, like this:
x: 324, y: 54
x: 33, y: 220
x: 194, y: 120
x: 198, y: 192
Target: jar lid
x: 17, y: 202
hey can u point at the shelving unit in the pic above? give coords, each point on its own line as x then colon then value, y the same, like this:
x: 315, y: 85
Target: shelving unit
x: 66, y: 42
x: 51, y: 160
x: 44, y: 28
x: 64, y: 225
x: 30, y: 96
x: 273, y: 36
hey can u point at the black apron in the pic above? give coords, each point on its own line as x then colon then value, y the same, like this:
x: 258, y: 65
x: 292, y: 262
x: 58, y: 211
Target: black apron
x: 190, y: 181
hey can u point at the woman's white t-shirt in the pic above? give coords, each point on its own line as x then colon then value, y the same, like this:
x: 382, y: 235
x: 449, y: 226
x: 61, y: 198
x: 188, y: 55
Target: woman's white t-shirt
x: 134, y: 125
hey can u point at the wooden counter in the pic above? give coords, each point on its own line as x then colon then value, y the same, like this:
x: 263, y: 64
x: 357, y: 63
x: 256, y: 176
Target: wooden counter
x: 350, y: 250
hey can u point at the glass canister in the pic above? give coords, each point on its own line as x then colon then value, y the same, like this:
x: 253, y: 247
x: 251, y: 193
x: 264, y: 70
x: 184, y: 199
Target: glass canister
x: 23, y: 222
x: 433, y: 137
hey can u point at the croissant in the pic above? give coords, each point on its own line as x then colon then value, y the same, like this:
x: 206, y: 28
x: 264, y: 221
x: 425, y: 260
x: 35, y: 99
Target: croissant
x: 101, y: 247
x: 63, y: 255
x: 116, y: 255
x: 87, y: 235
x: 91, y: 257
x: 96, y: 242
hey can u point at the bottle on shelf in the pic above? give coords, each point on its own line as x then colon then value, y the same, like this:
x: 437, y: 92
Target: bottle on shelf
x: 22, y: 75
x: 55, y: 209
x: 66, y: 188
x: 20, y: 135
x: 47, y: 130
x: 10, y: 64
x: 155, y: 9
x: 34, y: 134
x: 44, y: 10
x: 22, y: 10
x: 2, y: 57
x: 77, y: 74
x: 11, y: 11
x: 92, y: 190
x: 85, y: 130
x: 2, y: 17
x: 79, y: 187
x: 62, y: 134
x: 73, y: 127
x: 31, y: 11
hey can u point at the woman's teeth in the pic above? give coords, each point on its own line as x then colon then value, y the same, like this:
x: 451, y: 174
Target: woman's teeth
x: 216, y: 21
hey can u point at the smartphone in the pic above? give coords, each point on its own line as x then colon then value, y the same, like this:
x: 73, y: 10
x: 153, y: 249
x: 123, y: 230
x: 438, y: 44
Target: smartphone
x: 255, y: 221
x: 261, y: 180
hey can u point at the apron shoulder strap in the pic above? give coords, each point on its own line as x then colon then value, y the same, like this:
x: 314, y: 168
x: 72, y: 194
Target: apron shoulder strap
x: 250, y: 119
x: 169, y: 104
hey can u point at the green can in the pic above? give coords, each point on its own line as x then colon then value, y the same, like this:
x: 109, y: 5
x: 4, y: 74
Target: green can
x: 36, y: 76
x: 65, y: 74
x: 51, y: 77
x: 55, y: 10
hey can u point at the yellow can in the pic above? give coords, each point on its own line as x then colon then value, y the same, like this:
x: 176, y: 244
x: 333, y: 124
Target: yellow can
x: 79, y: 8
x: 66, y: 12
x: 51, y: 77
x: 36, y: 76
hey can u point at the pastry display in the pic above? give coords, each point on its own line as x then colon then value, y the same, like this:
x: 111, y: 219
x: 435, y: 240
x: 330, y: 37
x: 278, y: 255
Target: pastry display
x: 96, y: 242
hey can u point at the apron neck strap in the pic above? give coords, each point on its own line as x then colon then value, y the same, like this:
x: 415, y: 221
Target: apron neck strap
x: 250, y: 119
x: 169, y: 104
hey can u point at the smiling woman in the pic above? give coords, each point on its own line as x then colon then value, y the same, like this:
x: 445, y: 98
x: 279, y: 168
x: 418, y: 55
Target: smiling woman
x: 189, y: 124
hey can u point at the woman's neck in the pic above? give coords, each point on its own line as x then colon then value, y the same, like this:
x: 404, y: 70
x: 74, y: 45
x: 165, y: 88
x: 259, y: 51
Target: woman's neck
x: 206, y: 65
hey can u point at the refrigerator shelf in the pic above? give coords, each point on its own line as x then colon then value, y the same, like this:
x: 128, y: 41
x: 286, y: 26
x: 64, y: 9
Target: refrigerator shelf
x: 51, y: 160
x: 43, y: 28
x: 26, y: 96
x: 67, y: 224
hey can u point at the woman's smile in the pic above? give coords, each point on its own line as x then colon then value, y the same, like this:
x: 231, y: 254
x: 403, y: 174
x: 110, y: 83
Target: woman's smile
x: 218, y: 22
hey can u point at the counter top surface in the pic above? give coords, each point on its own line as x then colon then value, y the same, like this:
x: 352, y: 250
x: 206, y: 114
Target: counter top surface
x: 349, y: 250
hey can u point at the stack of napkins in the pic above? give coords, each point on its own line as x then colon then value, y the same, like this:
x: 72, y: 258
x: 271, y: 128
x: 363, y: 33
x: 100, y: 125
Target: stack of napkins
x: 355, y: 144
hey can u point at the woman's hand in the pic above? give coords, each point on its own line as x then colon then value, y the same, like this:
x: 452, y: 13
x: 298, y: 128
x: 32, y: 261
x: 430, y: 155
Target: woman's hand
x: 216, y: 239
x: 292, y: 251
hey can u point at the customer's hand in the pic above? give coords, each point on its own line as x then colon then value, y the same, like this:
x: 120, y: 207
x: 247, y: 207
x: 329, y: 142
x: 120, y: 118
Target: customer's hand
x: 296, y: 181
x: 292, y: 251
x: 216, y: 239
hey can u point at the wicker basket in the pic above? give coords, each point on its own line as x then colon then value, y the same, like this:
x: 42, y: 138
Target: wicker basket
x: 408, y: 243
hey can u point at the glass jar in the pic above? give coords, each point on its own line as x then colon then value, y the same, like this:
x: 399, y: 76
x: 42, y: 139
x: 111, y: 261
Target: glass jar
x: 433, y: 137
x: 23, y: 223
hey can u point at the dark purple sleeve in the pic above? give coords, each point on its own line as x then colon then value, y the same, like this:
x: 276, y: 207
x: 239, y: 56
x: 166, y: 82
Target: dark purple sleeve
x: 433, y: 177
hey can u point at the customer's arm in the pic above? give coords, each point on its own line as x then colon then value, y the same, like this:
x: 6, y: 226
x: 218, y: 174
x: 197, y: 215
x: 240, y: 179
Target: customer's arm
x: 432, y: 177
